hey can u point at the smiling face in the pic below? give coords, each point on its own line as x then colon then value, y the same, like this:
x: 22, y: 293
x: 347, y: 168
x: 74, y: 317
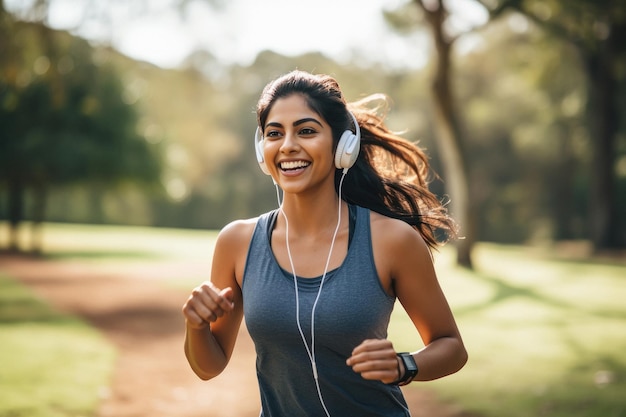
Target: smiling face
x: 298, y: 145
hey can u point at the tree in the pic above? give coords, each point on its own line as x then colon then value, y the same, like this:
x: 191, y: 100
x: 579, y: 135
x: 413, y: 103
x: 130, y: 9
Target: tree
x: 597, y: 30
x: 447, y: 122
x: 9, y: 90
x: 65, y: 123
x: 526, y: 138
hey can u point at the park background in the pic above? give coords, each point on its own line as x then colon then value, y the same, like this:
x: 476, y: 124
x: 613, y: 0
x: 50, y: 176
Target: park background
x: 520, y: 105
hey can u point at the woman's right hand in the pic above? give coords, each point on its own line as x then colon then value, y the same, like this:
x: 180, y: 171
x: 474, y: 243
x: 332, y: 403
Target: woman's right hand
x: 206, y: 304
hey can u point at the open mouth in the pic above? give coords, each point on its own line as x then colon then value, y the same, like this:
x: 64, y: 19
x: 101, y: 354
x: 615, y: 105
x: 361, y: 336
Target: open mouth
x: 293, y: 165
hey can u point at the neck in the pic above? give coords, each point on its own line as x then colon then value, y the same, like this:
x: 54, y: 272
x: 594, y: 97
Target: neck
x: 312, y: 215
x: 313, y: 212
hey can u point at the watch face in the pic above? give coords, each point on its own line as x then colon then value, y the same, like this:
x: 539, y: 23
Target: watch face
x: 409, y: 362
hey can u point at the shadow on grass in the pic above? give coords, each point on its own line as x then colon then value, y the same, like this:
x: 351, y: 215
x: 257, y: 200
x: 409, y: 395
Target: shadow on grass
x: 24, y: 308
x: 592, y: 387
x: 143, y: 319
x: 578, y: 373
x: 504, y: 291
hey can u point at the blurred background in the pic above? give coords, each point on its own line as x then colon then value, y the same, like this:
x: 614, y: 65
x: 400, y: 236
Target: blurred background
x: 142, y: 113
x: 126, y: 142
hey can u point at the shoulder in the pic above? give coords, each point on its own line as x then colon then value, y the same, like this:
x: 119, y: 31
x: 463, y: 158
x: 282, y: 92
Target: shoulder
x: 398, y: 248
x: 237, y: 232
x: 395, y: 232
x: 231, y: 249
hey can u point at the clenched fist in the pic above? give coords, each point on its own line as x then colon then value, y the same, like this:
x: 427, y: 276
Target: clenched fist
x: 206, y: 304
x: 375, y: 359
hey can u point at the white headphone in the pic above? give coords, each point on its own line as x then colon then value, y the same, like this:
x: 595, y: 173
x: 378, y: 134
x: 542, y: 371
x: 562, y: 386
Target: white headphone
x: 345, y: 156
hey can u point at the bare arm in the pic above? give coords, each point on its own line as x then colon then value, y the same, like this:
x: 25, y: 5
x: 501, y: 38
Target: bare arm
x: 214, y: 310
x: 405, y: 268
x: 419, y: 292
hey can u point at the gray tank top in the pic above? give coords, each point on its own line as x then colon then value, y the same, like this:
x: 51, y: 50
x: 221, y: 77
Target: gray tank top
x: 353, y: 306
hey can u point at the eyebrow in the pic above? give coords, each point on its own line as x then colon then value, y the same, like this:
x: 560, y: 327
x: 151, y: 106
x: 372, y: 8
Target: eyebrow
x: 296, y: 123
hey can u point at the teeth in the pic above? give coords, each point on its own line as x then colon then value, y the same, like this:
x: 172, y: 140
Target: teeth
x: 294, y: 164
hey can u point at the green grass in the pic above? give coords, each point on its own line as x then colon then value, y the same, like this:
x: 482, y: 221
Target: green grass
x: 109, y: 246
x: 51, y: 365
x: 546, y: 337
x: 101, y: 243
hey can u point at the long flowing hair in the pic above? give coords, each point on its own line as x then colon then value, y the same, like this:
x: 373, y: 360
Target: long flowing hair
x: 391, y: 174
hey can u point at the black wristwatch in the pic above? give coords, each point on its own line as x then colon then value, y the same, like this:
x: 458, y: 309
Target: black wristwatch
x: 410, y: 369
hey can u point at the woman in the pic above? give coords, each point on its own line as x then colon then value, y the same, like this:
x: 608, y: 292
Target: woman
x: 318, y: 278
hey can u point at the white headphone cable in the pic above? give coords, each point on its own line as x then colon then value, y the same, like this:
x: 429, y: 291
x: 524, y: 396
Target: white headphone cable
x: 311, y: 351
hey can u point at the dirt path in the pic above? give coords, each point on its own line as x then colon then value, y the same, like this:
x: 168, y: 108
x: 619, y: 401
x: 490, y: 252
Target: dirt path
x: 141, y: 317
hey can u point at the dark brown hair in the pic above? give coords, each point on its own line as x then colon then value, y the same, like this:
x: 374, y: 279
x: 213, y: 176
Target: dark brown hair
x: 390, y: 175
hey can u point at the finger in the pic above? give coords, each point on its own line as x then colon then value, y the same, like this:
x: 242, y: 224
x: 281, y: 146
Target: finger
x: 228, y: 296
x: 214, y: 300
x: 368, y: 363
x: 384, y: 369
x: 372, y: 344
x: 201, y: 307
x: 383, y: 376
x: 192, y: 318
x: 223, y: 298
x: 375, y: 360
x: 372, y: 350
x: 207, y: 313
x: 202, y: 302
x: 196, y: 322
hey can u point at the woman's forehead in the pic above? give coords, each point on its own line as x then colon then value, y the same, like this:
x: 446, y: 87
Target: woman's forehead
x: 293, y: 107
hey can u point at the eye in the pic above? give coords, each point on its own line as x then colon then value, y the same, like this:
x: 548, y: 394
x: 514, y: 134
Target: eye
x: 307, y: 131
x: 272, y: 134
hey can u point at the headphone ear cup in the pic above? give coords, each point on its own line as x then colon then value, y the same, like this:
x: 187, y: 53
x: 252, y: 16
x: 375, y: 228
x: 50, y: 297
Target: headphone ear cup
x: 347, y: 150
x: 258, y: 150
x: 349, y: 146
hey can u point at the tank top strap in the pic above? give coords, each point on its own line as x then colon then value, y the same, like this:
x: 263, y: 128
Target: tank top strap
x: 270, y: 221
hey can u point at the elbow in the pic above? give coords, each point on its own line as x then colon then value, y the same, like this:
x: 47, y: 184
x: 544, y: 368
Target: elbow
x: 446, y: 358
x: 461, y: 357
x: 456, y: 357
x: 203, y: 365
x: 464, y: 356
x: 205, y: 376
x: 204, y: 373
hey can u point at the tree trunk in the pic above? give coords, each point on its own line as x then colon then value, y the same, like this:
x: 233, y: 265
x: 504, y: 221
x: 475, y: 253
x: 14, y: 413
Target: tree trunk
x: 600, y: 57
x: 603, y: 121
x: 39, y: 215
x: 450, y: 142
x: 16, y: 211
x: 562, y: 192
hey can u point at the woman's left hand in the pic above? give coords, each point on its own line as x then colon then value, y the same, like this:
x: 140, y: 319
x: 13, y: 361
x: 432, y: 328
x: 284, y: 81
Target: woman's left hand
x: 375, y: 359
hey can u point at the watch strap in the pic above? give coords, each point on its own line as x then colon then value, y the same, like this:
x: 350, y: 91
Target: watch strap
x: 410, y: 369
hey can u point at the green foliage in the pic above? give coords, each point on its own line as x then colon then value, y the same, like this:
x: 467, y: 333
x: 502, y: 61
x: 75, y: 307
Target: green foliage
x: 63, y: 118
x: 596, y: 30
x: 71, y: 124
x: 587, y: 23
x: 528, y: 144
x: 521, y: 92
x: 52, y: 365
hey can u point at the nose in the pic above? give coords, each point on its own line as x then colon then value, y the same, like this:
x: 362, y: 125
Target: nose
x: 290, y: 143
